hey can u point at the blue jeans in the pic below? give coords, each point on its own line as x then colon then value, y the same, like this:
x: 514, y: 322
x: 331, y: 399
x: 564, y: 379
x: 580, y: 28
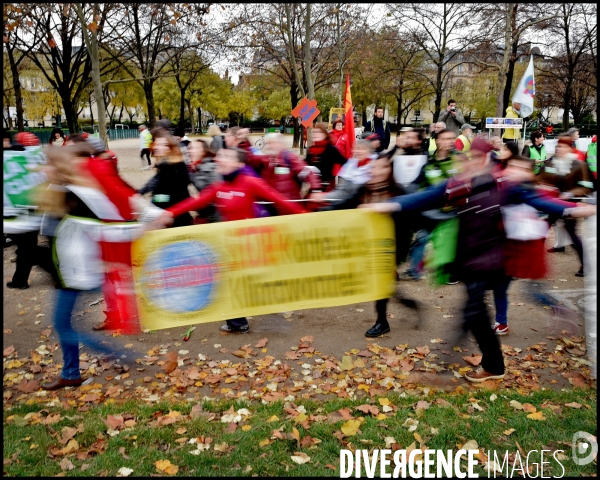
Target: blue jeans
x: 69, y: 338
x: 501, y: 300
x: 417, y: 250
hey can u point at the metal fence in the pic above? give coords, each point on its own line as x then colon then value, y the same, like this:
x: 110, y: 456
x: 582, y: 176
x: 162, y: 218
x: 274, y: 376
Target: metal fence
x: 120, y: 134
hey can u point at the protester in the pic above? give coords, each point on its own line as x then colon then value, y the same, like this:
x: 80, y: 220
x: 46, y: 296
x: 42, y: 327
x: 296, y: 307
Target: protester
x: 572, y: 179
x: 536, y: 151
x: 438, y: 127
x: 480, y: 240
x: 234, y: 197
x: 170, y: 184
x: 573, y: 132
x: 379, y: 188
x: 591, y: 156
x: 145, y: 143
x: 340, y: 139
x: 381, y: 127
x: 512, y: 111
x: 57, y: 137
x: 323, y: 155
x: 283, y: 170
x: 452, y: 117
x: 218, y: 138
x: 463, y: 141
x: 203, y: 174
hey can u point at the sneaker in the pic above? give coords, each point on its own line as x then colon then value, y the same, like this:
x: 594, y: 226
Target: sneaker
x: 556, y: 250
x: 480, y: 375
x: 228, y: 329
x: 408, y: 275
x: 451, y: 281
x: 500, y: 328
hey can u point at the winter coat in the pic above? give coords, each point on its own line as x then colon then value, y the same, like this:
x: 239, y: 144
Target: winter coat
x: 77, y: 238
x: 234, y: 198
x: 452, y: 122
x: 327, y: 161
x: 340, y: 141
x: 381, y: 128
x: 286, y: 173
x: 569, y: 176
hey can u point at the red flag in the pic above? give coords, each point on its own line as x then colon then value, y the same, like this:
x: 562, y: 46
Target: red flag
x: 349, y: 123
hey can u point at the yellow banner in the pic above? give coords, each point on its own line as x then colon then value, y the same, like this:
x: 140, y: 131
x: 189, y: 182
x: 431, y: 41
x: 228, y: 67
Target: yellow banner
x: 206, y: 273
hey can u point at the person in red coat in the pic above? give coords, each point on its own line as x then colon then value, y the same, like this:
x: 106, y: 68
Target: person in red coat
x: 283, y: 170
x: 340, y: 139
x: 121, y: 311
x: 234, y: 199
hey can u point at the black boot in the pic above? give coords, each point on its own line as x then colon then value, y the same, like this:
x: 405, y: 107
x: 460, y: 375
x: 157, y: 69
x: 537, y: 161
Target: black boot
x: 378, y: 329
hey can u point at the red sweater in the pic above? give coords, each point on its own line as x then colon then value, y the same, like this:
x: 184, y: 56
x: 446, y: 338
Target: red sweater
x: 235, y: 200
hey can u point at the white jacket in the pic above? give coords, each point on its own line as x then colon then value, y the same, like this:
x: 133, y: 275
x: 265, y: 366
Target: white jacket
x: 77, y: 251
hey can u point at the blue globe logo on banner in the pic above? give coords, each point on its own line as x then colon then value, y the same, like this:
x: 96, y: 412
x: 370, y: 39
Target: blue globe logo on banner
x: 180, y: 277
x: 529, y: 86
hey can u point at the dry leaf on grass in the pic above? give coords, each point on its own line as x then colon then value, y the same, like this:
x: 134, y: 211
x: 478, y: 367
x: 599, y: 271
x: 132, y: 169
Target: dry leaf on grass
x: 300, y: 458
x: 166, y: 466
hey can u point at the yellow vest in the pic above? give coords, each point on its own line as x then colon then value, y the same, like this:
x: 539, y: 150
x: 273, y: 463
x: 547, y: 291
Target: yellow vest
x: 432, y: 146
x: 466, y: 143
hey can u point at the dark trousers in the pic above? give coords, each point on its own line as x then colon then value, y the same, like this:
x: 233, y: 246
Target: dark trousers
x: 478, y: 321
x: 381, y: 310
x: 146, y: 151
x: 30, y: 254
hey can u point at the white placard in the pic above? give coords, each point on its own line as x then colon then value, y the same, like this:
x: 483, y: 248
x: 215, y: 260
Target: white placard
x: 496, y: 122
x: 407, y: 167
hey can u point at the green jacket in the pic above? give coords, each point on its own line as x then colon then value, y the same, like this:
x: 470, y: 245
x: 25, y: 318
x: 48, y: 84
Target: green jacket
x: 437, y: 171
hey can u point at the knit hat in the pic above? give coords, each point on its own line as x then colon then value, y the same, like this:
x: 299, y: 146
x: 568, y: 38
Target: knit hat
x: 481, y: 145
x: 27, y: 139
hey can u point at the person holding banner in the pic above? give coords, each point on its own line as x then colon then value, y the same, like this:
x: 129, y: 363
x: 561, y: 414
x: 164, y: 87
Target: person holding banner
x: 478, y: 195
x: 78, y: 198
x: 234, y: 198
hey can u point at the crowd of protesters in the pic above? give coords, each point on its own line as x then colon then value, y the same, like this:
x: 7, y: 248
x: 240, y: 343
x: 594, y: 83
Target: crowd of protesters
x: 444, y: 176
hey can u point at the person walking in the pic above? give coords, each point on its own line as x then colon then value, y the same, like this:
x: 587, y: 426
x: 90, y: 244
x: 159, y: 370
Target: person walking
x: 170, y: 184
x: 381, y: 127
x: 145, y: 142
x: 452, y: 117
x: 323, y: 155
x: 477, y: 195
x: 234, y: 198
x: 571, y: 178
x: 80, y: 200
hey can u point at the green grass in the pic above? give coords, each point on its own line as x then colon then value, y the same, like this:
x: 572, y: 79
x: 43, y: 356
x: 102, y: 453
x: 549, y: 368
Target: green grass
x: 158, y: 443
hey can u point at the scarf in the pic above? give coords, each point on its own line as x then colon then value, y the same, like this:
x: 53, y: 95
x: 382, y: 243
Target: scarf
x: 377, y: 192
x: 317, y: 149
x: 362, y: 163
x: 230, y: 177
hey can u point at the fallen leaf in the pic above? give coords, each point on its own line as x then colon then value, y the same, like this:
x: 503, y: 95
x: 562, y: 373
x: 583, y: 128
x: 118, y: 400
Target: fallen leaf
x: 422, y: 405
x: 509, y: 431
x: 125, y: 472
x: 300, y: 458
x: 537, y: 416
x: 528, y: 407
x: 411, y: 423
x: 8, y: 350
x: 166, y: 466
x: 261, y: 343
x: 366, y: 408
x: 573, y: 405
x: 170, y: 362
x: 473, y: 359
x: 350, y: 428
x: 308, y: 339
x: 65, y: 464
x: 346, y: 363
x: 516, y: 405
x: 114, y: 422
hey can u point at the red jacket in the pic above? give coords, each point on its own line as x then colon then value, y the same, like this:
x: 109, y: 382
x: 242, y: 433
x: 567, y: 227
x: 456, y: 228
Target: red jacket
x: 285, y: 173
x: 235, y: 199
x: 118, y: 191
x: 340, y: 140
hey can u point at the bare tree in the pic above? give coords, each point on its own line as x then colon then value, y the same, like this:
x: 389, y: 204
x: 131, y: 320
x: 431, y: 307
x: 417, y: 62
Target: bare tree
x: 443, y: 32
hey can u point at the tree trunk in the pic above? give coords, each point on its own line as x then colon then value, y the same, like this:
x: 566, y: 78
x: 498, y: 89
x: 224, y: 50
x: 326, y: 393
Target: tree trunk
x: 17, y: 86
x: 199, y: 120
x: 438, y: 93
x: 121, y: 113
x: 294, y: 101
x: 567, y: 100
x: 191, y: 112
x: 182, y: 108
x: 509, y: 75
x: 91, y: 111
x: 148, y: 91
